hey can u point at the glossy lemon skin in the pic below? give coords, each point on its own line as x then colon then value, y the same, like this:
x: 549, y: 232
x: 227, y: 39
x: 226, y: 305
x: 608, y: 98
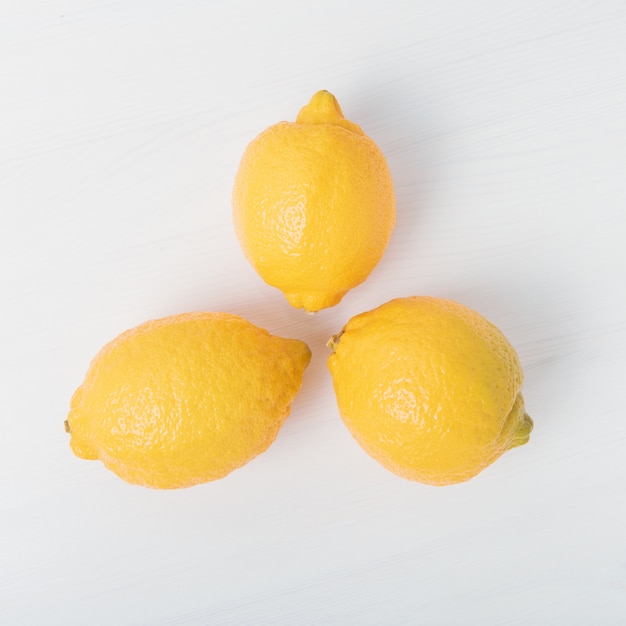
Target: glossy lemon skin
x: 186, y: 399
x: 314, y: 205
x: 429, y: 388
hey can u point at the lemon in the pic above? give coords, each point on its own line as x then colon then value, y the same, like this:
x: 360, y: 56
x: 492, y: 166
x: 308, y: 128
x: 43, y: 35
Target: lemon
x: 185, y: 399
x: 313, y: 205
x: 429, y: 388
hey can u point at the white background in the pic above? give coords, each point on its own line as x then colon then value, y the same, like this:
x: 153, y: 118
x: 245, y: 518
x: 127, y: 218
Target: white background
x: 504, y: 124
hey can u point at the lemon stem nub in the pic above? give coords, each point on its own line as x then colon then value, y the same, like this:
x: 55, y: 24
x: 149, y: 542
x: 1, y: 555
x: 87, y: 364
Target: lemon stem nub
x: 66, y: 424
x: 323, y: 108
x: 333, y: 342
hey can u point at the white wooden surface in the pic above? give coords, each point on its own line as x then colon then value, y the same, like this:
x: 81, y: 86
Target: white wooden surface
x: 504, y: 124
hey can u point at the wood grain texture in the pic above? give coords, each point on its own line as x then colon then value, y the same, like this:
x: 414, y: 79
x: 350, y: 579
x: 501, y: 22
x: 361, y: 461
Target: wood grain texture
x: 121, y: 128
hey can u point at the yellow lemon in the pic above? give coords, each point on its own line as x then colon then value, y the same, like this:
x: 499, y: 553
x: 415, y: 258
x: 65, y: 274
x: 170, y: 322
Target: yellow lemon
x: 185, y: 399
x: 313, y: 205
x: 429, y: 388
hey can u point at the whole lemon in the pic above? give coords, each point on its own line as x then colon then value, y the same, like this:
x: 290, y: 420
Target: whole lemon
x: 429, y: 388
x: 313, y: 205
x: 185, y: 399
